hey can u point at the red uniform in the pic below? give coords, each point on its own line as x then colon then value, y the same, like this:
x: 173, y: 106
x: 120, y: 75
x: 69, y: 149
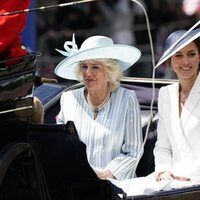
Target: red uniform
x: 11, y: 27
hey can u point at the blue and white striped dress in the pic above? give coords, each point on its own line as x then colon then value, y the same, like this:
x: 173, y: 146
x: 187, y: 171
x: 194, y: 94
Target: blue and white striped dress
x: 114, y: 138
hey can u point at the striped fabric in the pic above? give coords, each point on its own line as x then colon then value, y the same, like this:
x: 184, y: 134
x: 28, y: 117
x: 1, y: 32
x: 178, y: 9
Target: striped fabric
x: 114, y: 138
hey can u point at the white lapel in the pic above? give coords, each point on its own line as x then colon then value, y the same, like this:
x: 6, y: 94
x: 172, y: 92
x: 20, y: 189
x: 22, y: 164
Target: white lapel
x: 177, y: 128
x: 190, y: 118
x: 192, y: 104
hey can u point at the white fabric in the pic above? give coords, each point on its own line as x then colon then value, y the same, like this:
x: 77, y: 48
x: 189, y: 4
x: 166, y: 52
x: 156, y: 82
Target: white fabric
x: 114, y: 139
x: 178, y: 145
x: 148, y: 186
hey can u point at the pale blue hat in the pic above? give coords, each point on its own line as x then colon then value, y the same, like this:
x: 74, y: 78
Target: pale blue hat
x: 95, y: 47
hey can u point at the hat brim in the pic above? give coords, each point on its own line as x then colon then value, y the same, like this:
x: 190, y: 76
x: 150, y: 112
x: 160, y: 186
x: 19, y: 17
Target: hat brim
x: 126, y: 56
x: 181, y: 44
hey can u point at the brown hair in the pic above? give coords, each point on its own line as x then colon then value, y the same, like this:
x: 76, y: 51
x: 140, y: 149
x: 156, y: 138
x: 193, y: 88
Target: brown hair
x: 197, y: 42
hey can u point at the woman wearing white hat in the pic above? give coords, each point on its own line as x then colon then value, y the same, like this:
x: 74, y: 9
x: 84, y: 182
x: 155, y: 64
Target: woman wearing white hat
x: 177, y: 150
x: 107, y: 116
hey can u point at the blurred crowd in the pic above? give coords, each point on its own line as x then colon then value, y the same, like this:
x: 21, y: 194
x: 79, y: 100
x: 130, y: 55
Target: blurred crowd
x: 122, y: 20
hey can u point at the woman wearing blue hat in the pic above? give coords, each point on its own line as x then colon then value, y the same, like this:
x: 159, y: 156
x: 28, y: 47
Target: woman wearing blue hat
x: 177, y: 150
x: 106, y: 116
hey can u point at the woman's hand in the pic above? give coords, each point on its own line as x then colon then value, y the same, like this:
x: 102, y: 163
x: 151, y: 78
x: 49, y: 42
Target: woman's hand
x: 167, y: 176
x: 105, y: 174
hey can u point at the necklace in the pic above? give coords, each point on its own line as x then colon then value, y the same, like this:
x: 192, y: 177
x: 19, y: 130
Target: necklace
x: 97, y: 108
x: 183, y: 97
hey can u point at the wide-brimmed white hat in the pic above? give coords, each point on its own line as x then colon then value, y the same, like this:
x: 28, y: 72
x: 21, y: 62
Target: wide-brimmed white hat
x: 95, y: 47
x: 176, y: 41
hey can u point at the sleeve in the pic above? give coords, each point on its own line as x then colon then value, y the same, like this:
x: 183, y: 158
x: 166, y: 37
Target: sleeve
x: 162, y: 150
x: 124, y: 165
x: 60, y: 116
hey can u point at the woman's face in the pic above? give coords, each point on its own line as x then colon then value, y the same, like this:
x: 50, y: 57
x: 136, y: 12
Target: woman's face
x: 186, y: 61
x: 94, y: 75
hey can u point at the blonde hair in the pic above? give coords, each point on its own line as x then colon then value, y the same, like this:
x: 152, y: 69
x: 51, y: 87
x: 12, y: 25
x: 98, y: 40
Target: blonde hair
x: 112, y: 69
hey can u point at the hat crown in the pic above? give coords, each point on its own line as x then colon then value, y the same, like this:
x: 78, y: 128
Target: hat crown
x: 96, y: 41
x: 172, y: 38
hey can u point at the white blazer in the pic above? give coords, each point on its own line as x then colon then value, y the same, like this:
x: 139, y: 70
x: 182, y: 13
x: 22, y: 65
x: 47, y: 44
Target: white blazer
x: 178, y: 145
